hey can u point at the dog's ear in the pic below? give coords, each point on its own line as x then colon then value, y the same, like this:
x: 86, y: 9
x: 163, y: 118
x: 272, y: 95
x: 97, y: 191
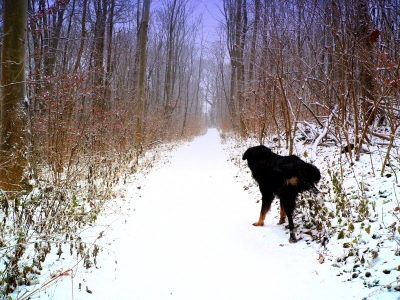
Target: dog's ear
x: 245, y: 154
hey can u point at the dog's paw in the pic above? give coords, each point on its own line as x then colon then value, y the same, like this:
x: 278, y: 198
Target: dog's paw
x: 292, y: 240
x: 258, y: 224
x: 281, y: 221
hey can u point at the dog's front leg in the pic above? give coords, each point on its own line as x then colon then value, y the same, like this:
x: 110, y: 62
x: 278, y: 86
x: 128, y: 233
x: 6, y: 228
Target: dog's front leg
x: 265, y: 206
x: 288, y: 202
x: 260, y: 221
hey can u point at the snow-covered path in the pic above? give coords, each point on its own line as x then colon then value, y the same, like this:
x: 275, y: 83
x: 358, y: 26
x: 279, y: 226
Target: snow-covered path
x: 189, y: 236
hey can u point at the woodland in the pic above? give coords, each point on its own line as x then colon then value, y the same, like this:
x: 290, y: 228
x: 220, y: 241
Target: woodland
x: 89, y: 88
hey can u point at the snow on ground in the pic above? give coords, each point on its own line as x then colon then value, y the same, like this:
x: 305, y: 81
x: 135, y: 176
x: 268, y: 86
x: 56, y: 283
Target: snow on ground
x: 185, y: 232
x: 367, y: 254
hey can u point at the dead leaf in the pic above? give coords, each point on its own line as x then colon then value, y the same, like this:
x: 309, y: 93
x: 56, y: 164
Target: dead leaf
x: 374, y: 36
x: 321, y: 259
x: 89, y: 291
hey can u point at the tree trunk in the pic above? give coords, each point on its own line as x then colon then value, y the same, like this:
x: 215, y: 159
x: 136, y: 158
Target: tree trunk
x: 54, y: 38
x: 14, y: 102
x: 80, y: 51
x: 257, y: 4
x: 109, y: 62
x: 236, y: 25
x: 143, y: 32
x: 169, y: 72
x: 98, y: 53
x: 366, y: 53
x: 366, y: 72
x: 241, y: 30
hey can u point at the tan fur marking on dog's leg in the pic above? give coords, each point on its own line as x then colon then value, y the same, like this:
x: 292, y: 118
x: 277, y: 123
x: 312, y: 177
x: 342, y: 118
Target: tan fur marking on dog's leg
x: 261, y: 219
x: 282, y: 216
x: 292, y: 181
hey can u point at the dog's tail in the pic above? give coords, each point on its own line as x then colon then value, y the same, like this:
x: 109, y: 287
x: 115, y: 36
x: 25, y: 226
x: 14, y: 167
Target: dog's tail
x: 309, y: 175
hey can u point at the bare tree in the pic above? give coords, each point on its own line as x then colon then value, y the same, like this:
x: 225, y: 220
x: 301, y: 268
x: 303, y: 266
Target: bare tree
x: 235, y: 13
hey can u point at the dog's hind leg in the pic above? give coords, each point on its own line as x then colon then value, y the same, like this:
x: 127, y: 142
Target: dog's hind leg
x: 267, y: 198
x: 288, y: 202
x: 282, y: 215
x: 292, y: 238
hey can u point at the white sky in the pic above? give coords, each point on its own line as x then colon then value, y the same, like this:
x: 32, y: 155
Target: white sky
x: 211, y: 15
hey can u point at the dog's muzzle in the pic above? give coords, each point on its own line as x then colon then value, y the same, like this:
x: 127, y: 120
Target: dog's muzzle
x: 314, y: 189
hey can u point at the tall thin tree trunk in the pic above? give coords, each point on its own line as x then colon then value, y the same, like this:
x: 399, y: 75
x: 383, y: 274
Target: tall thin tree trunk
x: 65, y: 51
x: 366, y: 49
x: 83, y: 35
x: 257, y: 8
x: 144, y: 27
x: 241, y: 30
x: 14, y: 103
x: 236, y: 26
x: 366, y: 73
x: 170, y: 54
x: 54, y: 38
x: 98, y: 53
x: 109, y: 63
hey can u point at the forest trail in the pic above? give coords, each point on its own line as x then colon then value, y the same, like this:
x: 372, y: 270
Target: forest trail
x: 189, y: 236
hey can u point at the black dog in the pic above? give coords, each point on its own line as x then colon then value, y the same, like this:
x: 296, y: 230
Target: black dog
x: 283, y: 176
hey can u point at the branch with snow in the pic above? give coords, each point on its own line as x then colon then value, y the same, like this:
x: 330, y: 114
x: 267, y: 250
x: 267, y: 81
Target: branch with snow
x: 323, y: 133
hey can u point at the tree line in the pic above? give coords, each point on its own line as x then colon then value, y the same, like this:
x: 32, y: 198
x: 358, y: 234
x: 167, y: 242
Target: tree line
x: 88, y: 88
x: 99, y: 81
x: 331, y: 63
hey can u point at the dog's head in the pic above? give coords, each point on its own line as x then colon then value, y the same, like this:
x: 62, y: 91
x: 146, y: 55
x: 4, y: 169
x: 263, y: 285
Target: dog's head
x: 257, y: 153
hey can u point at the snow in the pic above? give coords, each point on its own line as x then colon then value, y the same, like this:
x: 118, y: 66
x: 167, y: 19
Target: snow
x: 184, y: 232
